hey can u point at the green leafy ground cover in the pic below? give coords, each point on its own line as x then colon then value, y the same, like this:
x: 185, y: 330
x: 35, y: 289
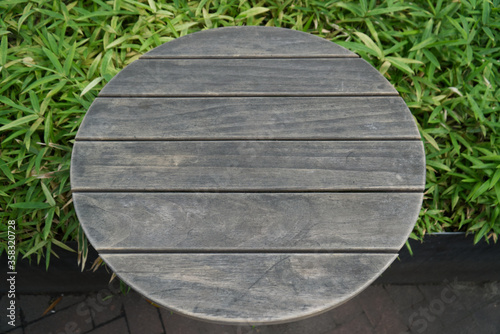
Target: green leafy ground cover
x: 442, y: 56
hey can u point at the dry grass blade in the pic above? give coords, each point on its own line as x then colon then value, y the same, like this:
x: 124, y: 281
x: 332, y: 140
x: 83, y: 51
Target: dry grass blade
x: 52, y: 306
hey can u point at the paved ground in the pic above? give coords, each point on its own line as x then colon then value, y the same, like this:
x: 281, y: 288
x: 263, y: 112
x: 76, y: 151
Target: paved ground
x: 452, y: 307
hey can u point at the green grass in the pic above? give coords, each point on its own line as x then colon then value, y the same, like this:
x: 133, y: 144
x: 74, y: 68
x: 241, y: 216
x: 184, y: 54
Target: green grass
x: 442, y: 56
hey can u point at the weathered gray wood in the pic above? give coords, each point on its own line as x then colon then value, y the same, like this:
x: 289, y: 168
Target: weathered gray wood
x: 248, y: 42
x: 248, y: 118
x: 249, y: 288
x: 205, y: 222
x: 248, y: 174
x: 248, y: 77
x: 248, y: 165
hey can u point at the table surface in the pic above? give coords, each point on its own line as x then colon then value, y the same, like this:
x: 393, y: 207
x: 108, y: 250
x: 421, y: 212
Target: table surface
x: 248, y: 174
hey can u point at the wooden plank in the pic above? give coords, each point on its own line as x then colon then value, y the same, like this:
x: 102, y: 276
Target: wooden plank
x: 205, y: 222
x: 249, y: 288
x: 248, y: 118
x: 248, y: 166
x: 248, y: 77
x: 246, y: 42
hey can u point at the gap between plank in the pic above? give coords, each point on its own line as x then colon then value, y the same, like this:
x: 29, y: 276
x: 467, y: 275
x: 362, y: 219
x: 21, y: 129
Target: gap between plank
x: 208, y: 95
x: 277, y: 56
x: 153, y: 139
x: 246, y: 191
x: 377, y: 95
x: 246, y: 251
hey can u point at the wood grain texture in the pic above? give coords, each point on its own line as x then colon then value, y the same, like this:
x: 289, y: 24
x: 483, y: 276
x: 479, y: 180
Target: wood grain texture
x: 248, y: 166
x: 248, y: 42
x: 249, y: 288
x: 248, y: 175
x: 248, y: 77
x: 211, y: 222
x: 248, y: 118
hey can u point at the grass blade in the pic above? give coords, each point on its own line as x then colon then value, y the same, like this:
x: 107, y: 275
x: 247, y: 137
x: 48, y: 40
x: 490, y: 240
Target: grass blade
x: 19, y: 122
x: 251, y: 12
x: 91, y: 85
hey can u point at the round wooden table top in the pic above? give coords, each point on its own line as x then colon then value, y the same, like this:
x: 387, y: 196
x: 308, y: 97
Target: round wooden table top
x: 248, y: 175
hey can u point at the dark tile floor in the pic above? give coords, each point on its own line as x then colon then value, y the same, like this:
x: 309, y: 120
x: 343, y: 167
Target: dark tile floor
x: 451, y: 307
